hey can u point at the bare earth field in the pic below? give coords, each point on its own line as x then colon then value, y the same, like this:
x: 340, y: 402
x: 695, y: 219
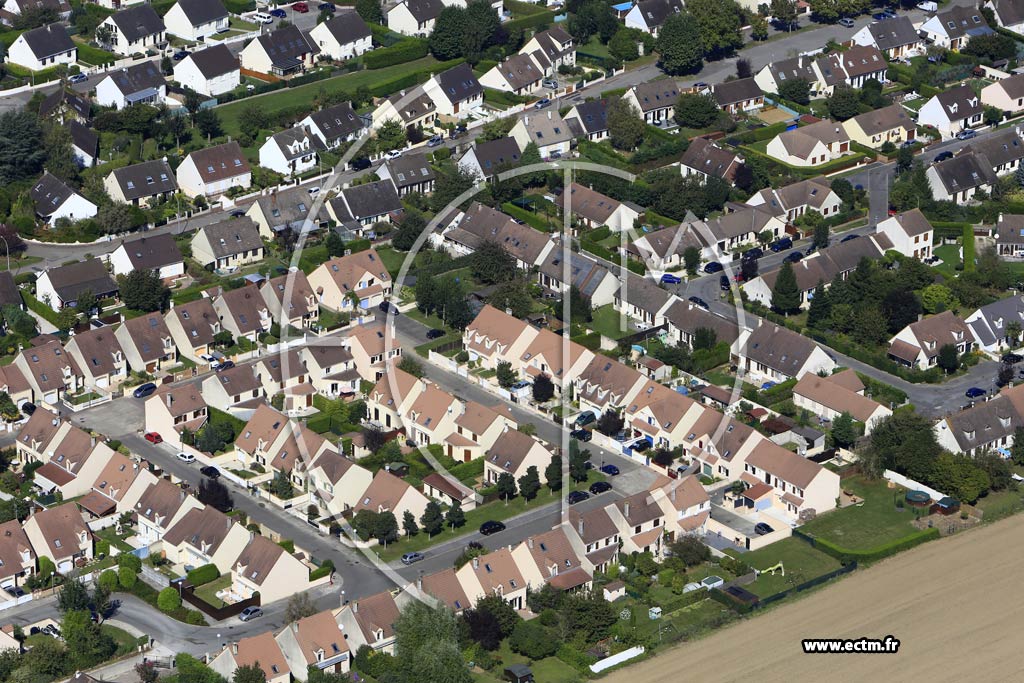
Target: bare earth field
x: 955, y: 605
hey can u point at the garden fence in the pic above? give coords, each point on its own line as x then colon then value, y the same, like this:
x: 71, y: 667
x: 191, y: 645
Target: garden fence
x: 216, y: 613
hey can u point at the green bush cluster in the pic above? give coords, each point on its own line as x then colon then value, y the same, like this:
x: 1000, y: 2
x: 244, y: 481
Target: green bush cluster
x: 403, y: 51
x: 846, y: 556
x: 204, y: 574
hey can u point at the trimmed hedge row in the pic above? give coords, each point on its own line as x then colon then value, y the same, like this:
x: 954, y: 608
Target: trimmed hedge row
x: 399, y: 53
x: 204, y: 574
x: 766, y: 133
x: 407, y: 80
x: 846, y: 555
x: 533, y: 21
x: 323, y: 570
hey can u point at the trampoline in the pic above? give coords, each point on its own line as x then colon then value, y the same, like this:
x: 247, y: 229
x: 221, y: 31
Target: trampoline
x: 918, y: 498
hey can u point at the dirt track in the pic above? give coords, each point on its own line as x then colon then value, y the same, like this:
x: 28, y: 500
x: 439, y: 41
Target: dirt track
x: 955, y: 605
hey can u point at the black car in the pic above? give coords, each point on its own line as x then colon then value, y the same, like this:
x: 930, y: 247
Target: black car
x: 700, y: 303
x: 599, y: 487
x: 713, y: 267
x: 848, y: 238
x: 435, y: 334
x: 360, y: 164
x: 180, y: 55
x: 942, y: 156
x: 794, y: 257
x: 641, y: 445
x: 577, y: 497
x: 28, y: 408
x: 209, y: 471
x: 723, y: 283
x: 237, y: 213
x: 762, y: 529
x: 581, y: 434
x: 753, y: 254
x: 225, y: 365
x: 1012, y: 358
x: 144, y: 390
x: 491, y: 527
x: 781, y: 245
x: 386, y: 307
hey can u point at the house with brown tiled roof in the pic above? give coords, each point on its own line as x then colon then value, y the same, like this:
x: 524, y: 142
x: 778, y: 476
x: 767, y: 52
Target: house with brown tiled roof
x: 431, y: 417
x: 391, y: 397
x: 332, y: 369
x: 494, y: 336
x: 798, y: 483
x: 495, y: 573
x: 447, y: 490
x: 117, y: 488
x: 17, y: 558
x: 738, y: 96
x: 722, y: 445
x: 193, y: 326
x: 388, y: 493
x: 663, y: 416
x: 259, y: 650
x: 337, y: 483
x: 371, y: 620
x: 910, y: 232
x: 445, y: 587
x: 551, y: 558
x: 686, y: 504
x: 285, y: 373
x: 703, y: 157
x: 640, y: 521
x: 228, y: 244
x: 684, y: 319
x: 147, y: 343
x: 775, y: 353
x: 654, y: 101
x: 810, y: 145
x: 374, y: 348
x: 72, y: 462
x: 606, y: 384
x: 829, y: 397
x: 918, y: 343
x: 593, y: 535
x: 13, y: 382
x: 99, y: 356
x: 236, y: 388
x: 514, y: 453
x: 160, y: 507
x: 35, y: 435
x: 172, y: 410
x: 50, y: 371
x: 266, y: 568
x: 314, y: 641
x: 351, y: 283
x: 545, y: 356
x: 205, y: 536
x: 879, y: 126
x: 243, y: 312
x: 593, y: 209
x: 214, y: 170
x: 291, y: 300
x: 60, y: 534
x: 481, y: 424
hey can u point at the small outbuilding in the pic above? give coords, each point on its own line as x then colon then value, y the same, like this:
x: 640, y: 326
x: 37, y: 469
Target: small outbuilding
x: 518, y: 673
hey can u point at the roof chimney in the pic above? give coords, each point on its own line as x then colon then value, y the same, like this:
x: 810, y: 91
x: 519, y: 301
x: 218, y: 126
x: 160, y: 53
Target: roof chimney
x: 579, y: 527
x: 234, y: 648
x: 170, y: 399
x: 529, y: 542
x: 355, y: 607
x: 92, y: 441
x: 625, y: 510
x: 476, y: 563
x: 549, y: 115
x: 419, y: 582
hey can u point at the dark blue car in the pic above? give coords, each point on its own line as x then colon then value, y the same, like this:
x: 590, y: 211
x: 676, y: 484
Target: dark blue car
x: 714, y: 267
x: 144, y: 390
x: 610, y: 470
x: 974, y: 392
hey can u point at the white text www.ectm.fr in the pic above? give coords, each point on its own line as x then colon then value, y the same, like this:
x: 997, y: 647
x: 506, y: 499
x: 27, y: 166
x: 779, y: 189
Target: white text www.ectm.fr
x: 887, y: 645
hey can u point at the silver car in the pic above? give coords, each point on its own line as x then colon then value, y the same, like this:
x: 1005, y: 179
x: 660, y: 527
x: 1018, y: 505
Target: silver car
x: 250, y: 613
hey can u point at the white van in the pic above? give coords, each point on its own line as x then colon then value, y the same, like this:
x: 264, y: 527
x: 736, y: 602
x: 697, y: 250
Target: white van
x: 263, y: 18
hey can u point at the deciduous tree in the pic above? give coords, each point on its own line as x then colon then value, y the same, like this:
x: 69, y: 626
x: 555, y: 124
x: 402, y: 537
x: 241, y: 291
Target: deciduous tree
x: 680, y: 45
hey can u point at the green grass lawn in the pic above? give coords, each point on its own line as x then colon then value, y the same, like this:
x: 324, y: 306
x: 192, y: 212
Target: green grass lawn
x: 549, y: 670
x: 800, y: 561
x: 392, y: 259
x: 950, y: 255
x: 607, y: 321
x: 867, y: 526
x: 126, y: 642
x: 94, y: 55
x: 1001, y: 504
x: 208, y: 591
x: 304, y: 94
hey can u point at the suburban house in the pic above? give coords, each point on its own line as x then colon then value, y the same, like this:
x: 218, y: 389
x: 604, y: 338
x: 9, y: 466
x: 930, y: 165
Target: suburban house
x: 910, y: 233
x: 147, y: 342
x: 594, y: 535
x: 1009, y: 14
x: 546, y: 355
x: 896, y: 38
x: 731, y: 231
x: 171, y: 411
x: 642, y: 300
x: 952, y: 111
x: 774, y: 353
x: 551, y: 558
x: 74, y: 462
x: 649, y: 15
x: 798, y: 484
x: 954, y: 27
x: 343, y: 36
x: 261, y: 651
x: 287, y: 209
x: 142, y: 184
x: 369, y: 621
x: 17, y: 559
x: 1003, y: 149
x: 140, y: 83
x: 593, y: 209
x: 60, y: 534
x: 37, y: 436
x: 792, y: 201
x: 54, y: 200
x: 134, y: 30
x: 356, y: 281
x: 494, y: 336
x: 1009, y: 234
x: 993, y: 324
x: 212, y: 171
x: 415, y: 17
x: 455, y: 91
x: 196, y: 20
x: 85, y: 144
x: 266, y: 568
x: 684, y: 319
x: 211, y: 72
x: 158, y: 253
x: 514, y: 453
x: 604, y: 384
x: 193, y: 325
x: 390, y: 399
x: 291, y: 152
x: 551, y: 49
x: 99, y: 357
x: 282, y: 52
x: 66, y: 105
x: 159, y: 508
x: 444, y: 586
x: 49, y: 371
x: 388, y: 493
x: 409, y: 173
x: 989, y: 424
x: 640, y: 523
x: 957, y: 179
x: 831, y: 396
x: 918, y: 344
x: 481, y: 224
x: 875, y: 128
x: 236, y: 390
x: 589, y: 119
x: 739, y: 96
x: 486, y: 159
x: 337, y: 482
x: 810, y: 145
x: 243, y: 313
x: 205, y: 536
x: 593, y: 280
x: 228, y: 244
x: 314, y: 641
x: 374, y: 348
x: 663, y: 249
x: 334, y: 125
x: 43, y: 48
x: 366, y: 204
x: 494, y: 574
x: 412, y: 109
x: 547, y: 130
x: 60, y: 287
x: 705, y: 158
x: 654, y: 101
x: 291, y: 300
x: 518, y: 74
x: 1005, y: 95
x: 13, y: 9
x: 860, y: 63
x: 801, y: 67
x: 332, y: 369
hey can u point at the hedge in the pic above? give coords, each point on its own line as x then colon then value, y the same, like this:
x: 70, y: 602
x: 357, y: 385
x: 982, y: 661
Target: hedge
x: 323, y: 570
x: 846, y: 555
x: 407, y: 80
x: 950, y: 229
x: 203, y: 574
x: 968, y: 237
x: 399, y: 53
x: 757, y: 135
x: 533, y: 21
x: 39, y: 308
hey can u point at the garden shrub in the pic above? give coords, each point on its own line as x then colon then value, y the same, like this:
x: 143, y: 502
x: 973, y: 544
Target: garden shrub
x: 129, y: 560
x: 108, y: 580
x: 168, y: 599
x: 204, y: 574
x: 126, y: 577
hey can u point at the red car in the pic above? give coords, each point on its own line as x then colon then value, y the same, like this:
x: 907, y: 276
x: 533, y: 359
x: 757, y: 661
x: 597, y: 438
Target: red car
x: 153, y: 437
x: 300, y: 7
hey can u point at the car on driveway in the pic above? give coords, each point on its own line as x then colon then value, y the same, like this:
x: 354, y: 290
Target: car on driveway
x: 386, y: 307
x: 250, y: 613
x: 491, y: 527
x: 144, y: 390
x: 180, y: 55
x: 762, y: 529
x: 153, y: 437
x: 300, y: 7
x: 186, y: 457
x: 699, y: 303
x: 585, y: 418
x: 78, y: 78
x: 753, y: 253
x: 610, y: 470
x: 942, y: 156
x: 974, y: 392
x: 327, y: 7
x: 670, y: 279
x: 577, y: 497
x: 393, y: 154
x: 599, y: 487
x: 1012, y: 358
x: 28, y: 408
x: 279, y: 13
x: 435, y: 141
x: 210, y: 471
x: 581, y: 434
x: 435, y: 334
x: 542, y: 103
x: 781, y: 244
x: 409, y: 558
x: 713, y: 267
x: 224, y: 365
x: 640, y: 445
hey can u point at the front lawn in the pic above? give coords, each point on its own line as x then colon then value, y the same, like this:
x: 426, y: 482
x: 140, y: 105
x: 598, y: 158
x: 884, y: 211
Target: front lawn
x: 208, y: 591
x: 94, y: 56
x: 865, y: 526
x: 800, y: 561
x: 608, y: 322
x: 126, y: 642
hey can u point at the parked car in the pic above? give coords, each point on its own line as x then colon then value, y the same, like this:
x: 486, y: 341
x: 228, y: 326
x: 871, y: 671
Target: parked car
x: 762, y: 529
x: 225, y: 365
x: 409, y: 558
x: 767, y: 385
x: 585, y: 418
x: 670, y: 279
x: 327, y: 7
x: 781, y: 244
x: 491, y: 527
x: 250, y: 613
x: 942, y: 156
x: 392, y: 154
x: 610, y: 470
x: 974, y: 392
x: 51, y: 631
x: 186, y: 457
x: 599, y: 487
x: 435, y: 334
x: 360, y: 164
x: 237, y: 213
x: 723, y: 283
x: 181, y: 54
x: 435, y: 141
x: 846, y: 22
x: 848, y: 238
x: 577, y: 497
x: 699, y: 303
x: 581, y: 434
x: 753, y: 253
x: 550, y: 83
x: 210, y: 471
x: 153, y: 437
x: 794, y: 257
x: 300, y: 7
x: 144, y: 390
x: 880, y: 16
x: 28, y: 408
x: 641, y: 445
x: 1012, y: 358
x: 541, y: 103
x: 713, y: 267
x: 78, y: 78
x: 279, y: 13
x: 966, y: 134
x: 314, y: 191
